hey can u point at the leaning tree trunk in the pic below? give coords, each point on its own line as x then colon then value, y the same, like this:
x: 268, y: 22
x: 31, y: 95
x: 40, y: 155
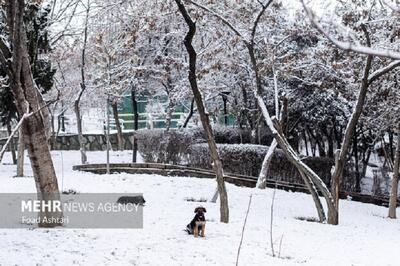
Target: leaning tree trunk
x: 314, y: 194
x: 12, y: 144
x: 262, y: 178
x: 291, y: 155
x: 341, y: 156
x: 308, y: 175
x: 21, y: 154
x: 217, y: 164
x: 28, y: 99
x: 120, y: 137
x: 42, y: 165
x: 189, y: 116
x: 395, y: 181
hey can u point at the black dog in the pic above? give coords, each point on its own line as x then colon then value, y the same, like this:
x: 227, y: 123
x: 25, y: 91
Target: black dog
x: 131, y: 199
x: 198, y: 224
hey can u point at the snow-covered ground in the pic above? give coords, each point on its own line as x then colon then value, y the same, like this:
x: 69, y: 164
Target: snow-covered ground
x: 364, y: 237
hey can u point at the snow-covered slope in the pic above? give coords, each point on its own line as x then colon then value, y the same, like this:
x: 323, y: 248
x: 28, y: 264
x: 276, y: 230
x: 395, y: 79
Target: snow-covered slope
x: 364, y: 237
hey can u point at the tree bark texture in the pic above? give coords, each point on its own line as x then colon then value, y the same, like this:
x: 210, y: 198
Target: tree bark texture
x: 120, y: 138
x: 21, y: 154
x: 395, y: 180
x: 217, y: 164
x: 29, y: 100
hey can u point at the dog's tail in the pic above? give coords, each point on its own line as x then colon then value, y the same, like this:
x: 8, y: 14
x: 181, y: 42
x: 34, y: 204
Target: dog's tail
x: 188, y: 230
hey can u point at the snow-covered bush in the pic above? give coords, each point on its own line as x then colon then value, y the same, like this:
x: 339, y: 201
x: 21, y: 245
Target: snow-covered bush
x: 160, y: 146
x: 189, y: 147
x: 246, y: 159
x: 234, y: 135
x: 243, y: 159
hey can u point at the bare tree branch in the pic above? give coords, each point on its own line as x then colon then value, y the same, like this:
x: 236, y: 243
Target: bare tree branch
x: 382, y: 71
x: 393, y: 6
x: 21, y: 121
x: 255, y: 24
x: 224, y: 20
x: 348, y: 46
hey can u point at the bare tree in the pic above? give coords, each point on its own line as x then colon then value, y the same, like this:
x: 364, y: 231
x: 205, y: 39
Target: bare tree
x: 310, y: 178
x: 82, y: 90
x: 217, y: 164
x: 367, y: 79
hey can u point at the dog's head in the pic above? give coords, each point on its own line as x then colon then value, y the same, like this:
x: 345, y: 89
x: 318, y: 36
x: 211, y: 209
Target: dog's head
x: 200, y: 210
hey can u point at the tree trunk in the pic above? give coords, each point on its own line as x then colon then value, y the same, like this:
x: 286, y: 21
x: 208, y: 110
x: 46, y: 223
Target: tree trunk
x: 189, y: 116
x: 42, y: 166
x: 391, y: 149
x: 365, y: 162
x: 314, y: 194
x: 28, y: 99
x: 331, y: 151
x: 321, y: 145
x: 305, y: 141
x: 80, y: 133
x: 120, y: 137
x: 12, y: 144
x: 217, y: 164
x: 53, y: 133
x: 356, y: 164
x: 21, y: 154
x: 135, y: 124
x: 341, y: 156
x: 308, y: 174
x: 395, y: 181
x: 168, y: 117
x: 262, y: 178
x: 83, y: 88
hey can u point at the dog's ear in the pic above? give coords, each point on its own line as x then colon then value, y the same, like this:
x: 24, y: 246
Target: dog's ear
x: 200, y: 208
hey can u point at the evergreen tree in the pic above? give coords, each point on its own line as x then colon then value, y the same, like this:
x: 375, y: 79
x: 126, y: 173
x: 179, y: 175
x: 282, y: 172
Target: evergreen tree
x: 36, y: 19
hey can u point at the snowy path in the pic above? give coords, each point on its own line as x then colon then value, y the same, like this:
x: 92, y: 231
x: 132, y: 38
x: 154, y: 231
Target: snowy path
x: 364, y: 237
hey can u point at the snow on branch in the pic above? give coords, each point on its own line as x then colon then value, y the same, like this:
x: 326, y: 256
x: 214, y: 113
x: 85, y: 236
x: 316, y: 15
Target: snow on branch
x: 392, y: 6
x: 3, y: 150
x: 21, y: 121
x: 348, y: 46
x: 224, y: 20
x: 255, y: 24
x: 382, y: 71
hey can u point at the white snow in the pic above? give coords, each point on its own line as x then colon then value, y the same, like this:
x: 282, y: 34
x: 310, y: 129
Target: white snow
x: 364, y: 237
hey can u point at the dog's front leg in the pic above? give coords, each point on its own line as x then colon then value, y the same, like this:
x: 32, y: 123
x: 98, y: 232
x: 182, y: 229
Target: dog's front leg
x: 196, y: 231
x: 203, y: 228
